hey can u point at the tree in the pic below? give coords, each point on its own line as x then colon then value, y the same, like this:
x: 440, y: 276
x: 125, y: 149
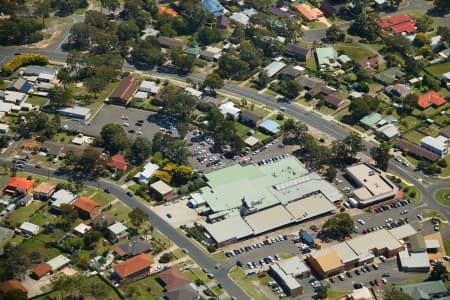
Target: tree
x: 410, y: 102
x: 420, y: 39
x: 437, y: 271
x: 442, y: 6
x: 251, y: 55
x: 208, y: 36
x: 340, y: 225
x: 110, y: 4
x: 68, y: 215
x: 288, y: 87
x: 331, y: 173
x: 166, y: 257
x: 232, y: 67
x: 59, y: 97
x: 148, y: 52
x: 395, y: 294
x: 213, y: 81
x: 42, y: 9
x: 140, y: 150
x: 163, y: 176
x: 335, y: 34
x: 322, y: 292
x: 91, y: 238
x: 181, y: 106
x: 114, y: 138
x: 15, y: 294
x: 128, y: 30
x: 137, y: 217
x: 381, y: 156
x: 364, y: 26
x: 362, y: 106
x: 182, y: 174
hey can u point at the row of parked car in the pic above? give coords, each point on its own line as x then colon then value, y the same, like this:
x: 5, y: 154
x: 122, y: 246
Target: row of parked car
x: 389, y: 206
x: 276, y: 289
x: 264, y: 261
x: 254, y: 246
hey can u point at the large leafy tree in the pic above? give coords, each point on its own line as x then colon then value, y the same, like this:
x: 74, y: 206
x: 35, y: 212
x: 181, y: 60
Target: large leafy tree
x: 114, y: 138
x: 137, y: 217
x: 381, y: 156
x: 140, y: 150
x: 340, y: 225
x: 181, y: 106
x: 361, y: 107
x: 213, y: 81
x: 443, y: 6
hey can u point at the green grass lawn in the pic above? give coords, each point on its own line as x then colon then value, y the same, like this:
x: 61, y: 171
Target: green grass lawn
x: 311, y: 64
x: 447, y: 246
x: 39, y: 244
x: 270, y: 92
x: 354, y: 51
x: 446, y: 172
x: 245, y: 282
x: 23, y: 214
x: 439, y: 69
x: 36, y: 100
x: 443, y: 196
x: 413, y: 136
x: 147, y: 288
x: 333, y: 294
x: 217, y: 290
x: 285, y: 255
x: 178, y: 253
x: 196, y: 273
x: 326, y: 110
x: 102, y: 198
x: 242, y: 130
x: 42, y: 217
x: 119, y: 211
x: 219, y: 255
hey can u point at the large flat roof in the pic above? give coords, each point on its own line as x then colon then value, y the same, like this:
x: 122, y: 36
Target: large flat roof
x: 309, y: 207
x: 372, y: 185
x: 269, y: 219
x: 403, y: 231
x: 374, y: 240
x: 328, y: 260
x: 293, y: 266
x: 345, y: 252
x: 414, y: 260
x: 231, y: 228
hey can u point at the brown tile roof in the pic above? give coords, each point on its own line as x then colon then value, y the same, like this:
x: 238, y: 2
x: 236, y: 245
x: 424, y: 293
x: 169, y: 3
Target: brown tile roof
x: 431, y: 98
x: 102, y: 219
x: 41, y: 270
x: 85, y: 204
x: 334, y: 99
x: 6, y: 286
x: 133, y: 265
x: 126, y: 89
x: 416, y: 150
x: 173, y: 278
x: 45, y: 188
x: 118, y: 162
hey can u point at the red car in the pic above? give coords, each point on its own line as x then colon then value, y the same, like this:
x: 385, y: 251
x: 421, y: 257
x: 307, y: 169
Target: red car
x: 377, y: 281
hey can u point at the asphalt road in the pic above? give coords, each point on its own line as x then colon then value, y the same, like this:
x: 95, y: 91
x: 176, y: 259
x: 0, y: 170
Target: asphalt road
x: 198, y: 255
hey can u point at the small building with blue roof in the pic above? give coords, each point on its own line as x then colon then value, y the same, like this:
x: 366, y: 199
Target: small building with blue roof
x: 269, y: 126
x: 213, y: 6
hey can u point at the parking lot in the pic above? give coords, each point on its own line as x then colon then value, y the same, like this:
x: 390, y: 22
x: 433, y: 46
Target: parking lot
x: 126, y: 117
x: 179, y: 212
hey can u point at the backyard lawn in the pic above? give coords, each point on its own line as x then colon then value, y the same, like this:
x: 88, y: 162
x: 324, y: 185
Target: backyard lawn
x: 353, y: 50
x: 36, y: 100
x: 196, y: 273
x: 413, y: 136
x: 22, y: 214
x: 147, y: 288
x: 102, y: 198
x: 439, y: 69
x: 119, y: 211
x: 447, y: 245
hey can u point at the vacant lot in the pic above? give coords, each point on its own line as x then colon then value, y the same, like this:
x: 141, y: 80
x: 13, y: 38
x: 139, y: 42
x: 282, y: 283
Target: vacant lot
x: 439, y: 69
x: 354, y: 51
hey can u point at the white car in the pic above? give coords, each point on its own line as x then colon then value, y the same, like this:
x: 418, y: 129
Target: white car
x: 139, y: 132
x: 126, y: 124
x: 361, y: 221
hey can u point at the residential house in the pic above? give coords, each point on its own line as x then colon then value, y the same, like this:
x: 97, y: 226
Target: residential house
x: 425, y: 290
x: 314, y: 86
x: 228, y: 109
x: 47, y: 78
x: 76, y: 112
x: 331, y: 9
x: 81, y: 229
x: 389, y: 76
x: 430, y: 98
x: 58, y: 263
x: 398, y: 90
x: 240, y: 17
x: 29, y: 228
x: 326, y: 57
x: 370, y: 64
x: 370, y: 120
x: 343, y: 59
x: 36, y: 70
x: 334, y: 100
x: 146, y: 173
x: 168, y: 42
x: 118, y: 231
x: 445, y: 131
x: 187, y: 291
x: 273, y: 68
x: 172, y: 278
x: 149, y: 87
x: 299, y: 52
x: 291, y: 72
x: 284, y: 12
x: 222, y: 22
x: 250, y: 118
x: 191, y: 91
x: 13, y: 97
x: 117, y: 162
x: 20, y: 85
x: 44, y: 191
x: 124, y: 93
x: 194, y: 51
x: 133, y: 247
x: 308, y: 12
x: 269, y: 127
x: 141, y: 96
x: 213, y: 6
x: 19, y: 186
x: 62, y: 197
x: 40, y: 271
x: 102, y: 220
x: 388, y: 132
x: 60, y: 150
x: 135, y: 268
x: 167, y: 11
x: 12, y: 284
x: 438, y: 145
x: 445, y: 54
x: 416, y: 151
x: 161, y: 190
x: 402, y: 23
x: 436, y: 42
x: 4, y: 128
x: 87, y: 208
x: 211, y: 53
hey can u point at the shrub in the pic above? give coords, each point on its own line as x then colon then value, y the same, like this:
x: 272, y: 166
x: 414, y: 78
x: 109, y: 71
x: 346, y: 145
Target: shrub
x: 165, y: 258
x: 211, y: 248
x: 23, y: 60
x: 412, y: 194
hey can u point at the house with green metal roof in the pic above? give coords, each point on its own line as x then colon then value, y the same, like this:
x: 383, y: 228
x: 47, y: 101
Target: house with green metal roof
x: 326, y: 57
x: 370, y: 120
x: 425, y: 290
x: 194, y: 51
x: 389, y: 76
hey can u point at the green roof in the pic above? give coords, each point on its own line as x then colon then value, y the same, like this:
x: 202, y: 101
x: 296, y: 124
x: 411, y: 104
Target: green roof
x: 228, y: 187
x: 324, y: 55
x: 425, y: 290
x: 370, y: 119
x: 417, y: 243
x: 192, y: 51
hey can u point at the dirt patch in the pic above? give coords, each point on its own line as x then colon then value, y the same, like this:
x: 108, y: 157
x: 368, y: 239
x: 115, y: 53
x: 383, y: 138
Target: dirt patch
x: 46, y: 42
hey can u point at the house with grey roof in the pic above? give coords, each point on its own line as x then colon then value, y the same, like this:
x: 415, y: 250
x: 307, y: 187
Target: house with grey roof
x: 425, y: 290
x: 389, y: 76
x: 20, y: 85
x: 326, y: 58
x: 298, y: 51
x: 133, y: 247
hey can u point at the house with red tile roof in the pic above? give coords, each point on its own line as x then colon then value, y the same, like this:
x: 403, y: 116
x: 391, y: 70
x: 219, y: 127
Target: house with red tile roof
x: 401, y: 23
x: 117, y: 162
x: 87, y: 208
x: 430, y: 98
x: 308, y: 12
x: 173, y: 278
x: 40, y: 271
x: 12, y: 284
x: 135, y: 268
x: 19, y: 185
x: 167, y: 10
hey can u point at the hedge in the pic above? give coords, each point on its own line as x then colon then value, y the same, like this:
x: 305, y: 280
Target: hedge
x: 23, y: 60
